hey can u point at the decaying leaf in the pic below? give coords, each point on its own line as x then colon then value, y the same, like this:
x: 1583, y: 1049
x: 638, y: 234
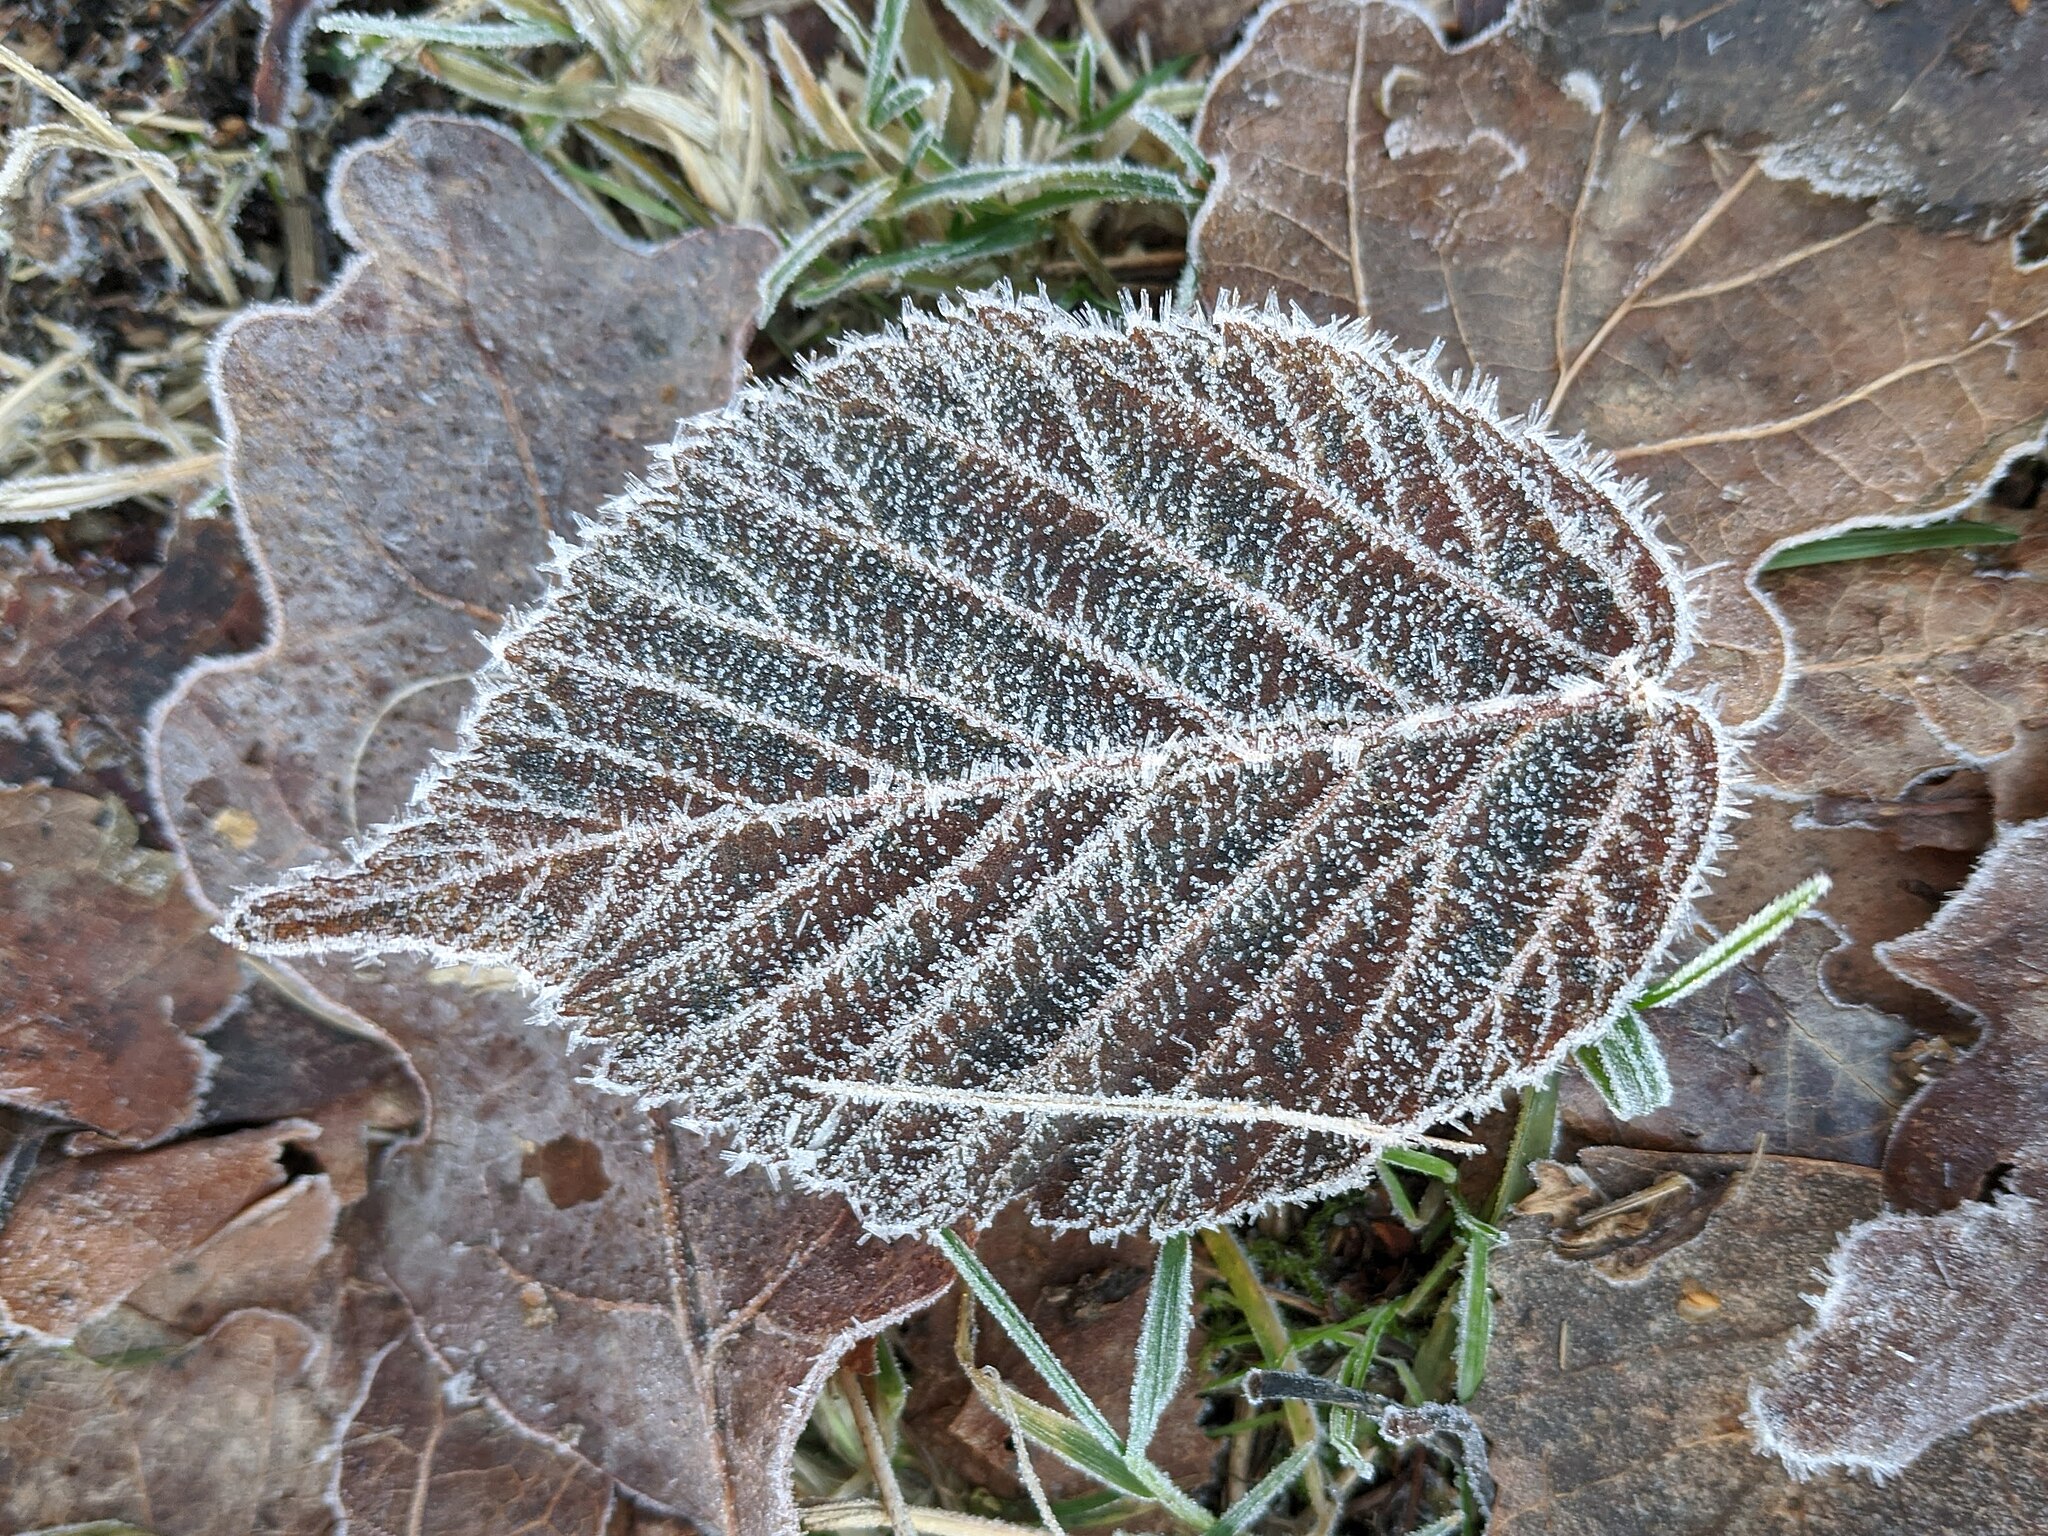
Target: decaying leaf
x: 1765, y: 1051
x: 87, y: 1232
x: 87, y: 650
x: 422, y: 1457
x: 608, y: 1280
x: 1928, y: 1323
x: 225, y: 1436
x: 402, y: 453
x: 1143, y: 765
x: 1933, y: 105
x: 598, y: 1278
x: 107, y: 971
x: 1774, y: 362
x: 1910, y: 665
x: 1613, y: 1410
x: 1987, y: 950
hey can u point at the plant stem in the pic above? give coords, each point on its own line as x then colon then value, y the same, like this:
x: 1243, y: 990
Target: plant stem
x: 1235, y: 1265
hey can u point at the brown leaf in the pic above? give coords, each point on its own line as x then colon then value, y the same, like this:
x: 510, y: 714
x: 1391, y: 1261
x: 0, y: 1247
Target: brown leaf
x: 423, y: 1458
x: 223, y: 1437
x: 1928, y: 1324
x: 1911, y: 664
x: 401, y: 454
x: 1985, y: 951
x: 87, y: 1231
x: 1764, y: 1051
x: 264, y: 1257
x: 1087, y: 1300
x: 609, y: 1281
x: 86, y: 651
x: 1264, y: 758
x: 1614, y: 1410
x: 1774, y: 362
x: 1934, y: 104
x: 107, y: 970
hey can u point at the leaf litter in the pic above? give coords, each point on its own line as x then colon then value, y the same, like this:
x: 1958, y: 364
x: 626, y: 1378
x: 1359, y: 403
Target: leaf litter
x: 225, y: 1270
x: 592, y: 1272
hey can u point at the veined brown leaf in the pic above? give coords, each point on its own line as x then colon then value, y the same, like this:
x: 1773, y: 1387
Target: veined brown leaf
x: 1144, y: 765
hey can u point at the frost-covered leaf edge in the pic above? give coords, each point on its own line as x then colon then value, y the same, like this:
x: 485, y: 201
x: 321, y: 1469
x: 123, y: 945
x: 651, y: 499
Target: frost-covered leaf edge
x: 1477, y: 395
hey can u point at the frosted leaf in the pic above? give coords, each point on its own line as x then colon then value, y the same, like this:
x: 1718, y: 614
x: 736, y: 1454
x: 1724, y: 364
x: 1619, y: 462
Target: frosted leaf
x: 1144, y: 765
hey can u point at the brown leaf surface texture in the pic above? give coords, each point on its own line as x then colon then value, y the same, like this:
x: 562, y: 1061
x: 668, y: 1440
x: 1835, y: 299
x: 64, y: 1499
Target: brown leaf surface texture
x: 88, y: 1231
x: 600, y: 1280
x: 1263, y: 758
x: 1987, y: 950
x: 1615, y: 1409
x: 107, y: 971
x: 222, y: 1437
x: 1935, y: 106
x: 1930, y: 1322
x: 1774, y: 362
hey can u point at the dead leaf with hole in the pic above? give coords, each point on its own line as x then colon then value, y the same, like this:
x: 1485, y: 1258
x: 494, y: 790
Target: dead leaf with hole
x: 1764, y: 1051
x: 1612, y: 1410
x: 1935, y: 105
x: 89, y: 1230
x: 1774, y: 362
x: 108, y: 973
x: 401, y: 455
x: 1135, y: 766
x: 226, y: 1436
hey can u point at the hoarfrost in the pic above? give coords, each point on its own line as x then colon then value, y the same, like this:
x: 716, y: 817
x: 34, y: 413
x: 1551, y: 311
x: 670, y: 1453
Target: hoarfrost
x: 1145, y: 766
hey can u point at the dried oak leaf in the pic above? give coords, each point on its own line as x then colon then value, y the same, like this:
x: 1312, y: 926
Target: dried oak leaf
x: 89, y: 1230
x: 107, y: 971
x: 1612, y: 1410
x: 1774, y: 362
x: 1138, y: 765
x: 1928, y: 1324
x: 226, y: 1436
x: 1985, y: 951
x: 400, y: 455
x: 1765, y: 1051
x: 1935, y: 105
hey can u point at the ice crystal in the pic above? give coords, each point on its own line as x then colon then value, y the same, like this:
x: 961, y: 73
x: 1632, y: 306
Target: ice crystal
x: 1144, y: 765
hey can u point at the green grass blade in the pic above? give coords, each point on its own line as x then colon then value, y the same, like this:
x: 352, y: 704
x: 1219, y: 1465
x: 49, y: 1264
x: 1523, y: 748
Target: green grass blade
x: 1162, y: 1341
x: 1424, y: 1163
x: 1474, y: 1304
x: 1627, y: 1066
x: 888, y: 39
x: 1535, y: 1136
x: 998, y: 28
x: 916, y: 260
x: 1750, y: 934
x: 1176, y: 141
x: 1072, y: 1443
x: 1871, y: 543
x: 458, y: 34
x: 819, y: 238
x: 1260, y: 1496
x: 997, y: 1302
x: 1075, y: 179
x: 1398, y: 1196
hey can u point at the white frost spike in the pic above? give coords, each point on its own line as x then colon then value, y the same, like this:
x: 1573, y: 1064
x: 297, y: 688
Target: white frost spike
x: 1142, y: 766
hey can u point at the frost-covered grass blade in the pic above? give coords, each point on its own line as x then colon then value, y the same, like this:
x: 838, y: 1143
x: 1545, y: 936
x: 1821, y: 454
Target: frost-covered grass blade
x: 1162, y: 1341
